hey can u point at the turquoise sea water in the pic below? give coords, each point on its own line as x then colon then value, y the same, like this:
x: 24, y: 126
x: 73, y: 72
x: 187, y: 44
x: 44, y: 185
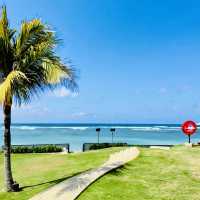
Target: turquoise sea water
x: 77, y: 134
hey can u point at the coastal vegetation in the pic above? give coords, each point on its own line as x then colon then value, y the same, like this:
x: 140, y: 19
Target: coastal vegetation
x: 28, y: 66
x: 37, y: 149
x: 95, y: 146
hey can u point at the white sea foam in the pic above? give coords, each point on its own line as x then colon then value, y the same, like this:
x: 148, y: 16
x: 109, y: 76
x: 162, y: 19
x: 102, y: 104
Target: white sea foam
x: 78, y: 128
x: 155, y: 128
x: 117, y: 127
x: 82, y: 128
x: 23, y: 127
x: 146, y: 129
x: 162, y: 126
x: 48, y: 127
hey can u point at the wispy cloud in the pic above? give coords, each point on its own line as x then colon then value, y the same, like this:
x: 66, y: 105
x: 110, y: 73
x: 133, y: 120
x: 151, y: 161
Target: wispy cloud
x: 36, y: 108
x: 22, y: 107
x: 81, y: 115
x: 63, y: 92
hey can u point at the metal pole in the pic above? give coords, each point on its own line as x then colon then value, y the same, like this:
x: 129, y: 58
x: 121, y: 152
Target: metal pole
x: 112, y: 131
x: 98, y: 132
x: 112, y: 137
x: 189, y: 138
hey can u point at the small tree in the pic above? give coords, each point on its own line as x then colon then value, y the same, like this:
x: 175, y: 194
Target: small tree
x: 28, y: 66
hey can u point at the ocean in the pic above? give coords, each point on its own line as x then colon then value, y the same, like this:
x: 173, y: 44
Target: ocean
x: 77, y: 134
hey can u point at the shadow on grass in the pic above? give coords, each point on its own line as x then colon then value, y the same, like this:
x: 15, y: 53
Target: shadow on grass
x: 120, y: 170
x: 53, y: 182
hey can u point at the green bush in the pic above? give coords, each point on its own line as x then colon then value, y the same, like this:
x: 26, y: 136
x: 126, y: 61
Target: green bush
x: 36, y: 149
x: 106, y: 145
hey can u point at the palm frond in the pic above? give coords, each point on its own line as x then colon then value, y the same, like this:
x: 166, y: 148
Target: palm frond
x: 6, y: 50
x: 56, y: 72
x: 28, y: 62
x: 33, y: 33
x: 6, y: 87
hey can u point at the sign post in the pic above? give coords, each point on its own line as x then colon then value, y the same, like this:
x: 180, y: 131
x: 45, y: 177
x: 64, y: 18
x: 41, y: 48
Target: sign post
x: 189, y: 128
x: 112, y: 131
x: 98, y: 131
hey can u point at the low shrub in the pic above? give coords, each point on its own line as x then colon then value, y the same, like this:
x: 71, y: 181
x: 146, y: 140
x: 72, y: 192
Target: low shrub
x: 36, y: 149
x: 106, y: 145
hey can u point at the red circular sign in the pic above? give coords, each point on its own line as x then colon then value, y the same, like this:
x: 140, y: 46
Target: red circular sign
x: 189, y: 127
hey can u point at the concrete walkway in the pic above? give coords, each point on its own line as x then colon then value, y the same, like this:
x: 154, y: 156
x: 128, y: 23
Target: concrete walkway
x: 73, y: 187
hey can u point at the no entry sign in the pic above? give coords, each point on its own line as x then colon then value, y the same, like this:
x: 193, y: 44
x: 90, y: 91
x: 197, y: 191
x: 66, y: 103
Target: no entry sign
x: 189, y: 128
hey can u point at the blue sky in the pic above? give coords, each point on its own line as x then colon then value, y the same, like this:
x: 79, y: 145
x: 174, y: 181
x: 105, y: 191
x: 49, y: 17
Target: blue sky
x: 138, y: 61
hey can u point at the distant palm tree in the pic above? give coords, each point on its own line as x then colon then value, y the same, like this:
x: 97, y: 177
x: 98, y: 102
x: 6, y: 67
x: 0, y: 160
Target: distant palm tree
x: 28, y: 66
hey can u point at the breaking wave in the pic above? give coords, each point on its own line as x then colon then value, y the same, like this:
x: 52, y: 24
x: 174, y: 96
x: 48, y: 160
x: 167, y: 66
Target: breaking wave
x: 48, y: 127
x: 156, y: 128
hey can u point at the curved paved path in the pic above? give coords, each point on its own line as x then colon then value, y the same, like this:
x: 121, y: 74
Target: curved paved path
x: 73, y: 187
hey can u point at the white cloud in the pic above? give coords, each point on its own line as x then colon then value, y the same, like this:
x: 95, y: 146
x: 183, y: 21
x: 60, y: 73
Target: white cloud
x: 63, y: 92
x: 82, y: 115
x: 34, y: 108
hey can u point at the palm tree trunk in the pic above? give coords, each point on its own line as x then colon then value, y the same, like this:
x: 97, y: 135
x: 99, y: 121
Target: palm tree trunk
x: 7, y: 148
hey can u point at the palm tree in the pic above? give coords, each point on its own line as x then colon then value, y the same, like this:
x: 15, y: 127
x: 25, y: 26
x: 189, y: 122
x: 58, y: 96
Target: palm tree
x: 28, y: 66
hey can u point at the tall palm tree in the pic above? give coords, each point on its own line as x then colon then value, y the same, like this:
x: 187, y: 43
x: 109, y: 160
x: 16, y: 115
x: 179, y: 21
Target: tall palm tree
x: 28, y: 66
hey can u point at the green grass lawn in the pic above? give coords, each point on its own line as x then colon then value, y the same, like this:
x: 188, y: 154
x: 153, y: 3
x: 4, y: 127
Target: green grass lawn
x: 36, y: 172
x: 154, y: 175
